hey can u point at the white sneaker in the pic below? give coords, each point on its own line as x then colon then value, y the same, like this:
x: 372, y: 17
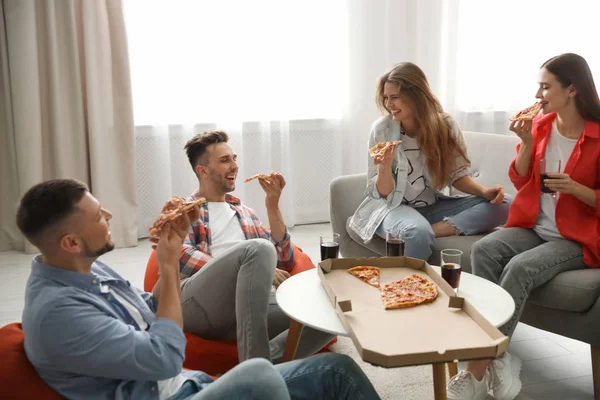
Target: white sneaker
x: 504, y: 375
x: 464, y: 386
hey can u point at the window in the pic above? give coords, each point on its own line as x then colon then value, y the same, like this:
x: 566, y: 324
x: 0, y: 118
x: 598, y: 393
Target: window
x: 195, y: 61
x: 501, y: 46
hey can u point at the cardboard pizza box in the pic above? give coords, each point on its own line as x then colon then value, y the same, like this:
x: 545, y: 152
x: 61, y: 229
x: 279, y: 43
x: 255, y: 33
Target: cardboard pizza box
x: 448, y: 329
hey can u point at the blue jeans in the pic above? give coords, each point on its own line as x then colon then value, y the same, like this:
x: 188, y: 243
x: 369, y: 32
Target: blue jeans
x: 324, y: 376
x: 469, y: 215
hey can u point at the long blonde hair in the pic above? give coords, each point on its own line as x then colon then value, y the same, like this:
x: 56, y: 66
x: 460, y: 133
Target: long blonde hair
x: 433, y: 133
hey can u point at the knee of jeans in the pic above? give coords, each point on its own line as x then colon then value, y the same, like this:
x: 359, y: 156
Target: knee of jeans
x: 257, y: 367
x: 345, y: 361
x: 416, y: 233
x: 479, y: 254
x: 261, y: 377
x: 517, y: 268
x: 339, y: 362
x: 478, y: 249
x: 263, y: 249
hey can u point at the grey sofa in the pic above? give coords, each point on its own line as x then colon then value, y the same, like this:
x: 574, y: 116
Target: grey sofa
x: 569, y: 305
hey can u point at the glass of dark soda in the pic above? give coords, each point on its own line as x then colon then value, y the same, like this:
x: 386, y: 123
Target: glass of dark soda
x: 548, y: 166
x: 394, y: 245
x: 330, y: 246
x: 451, y: 267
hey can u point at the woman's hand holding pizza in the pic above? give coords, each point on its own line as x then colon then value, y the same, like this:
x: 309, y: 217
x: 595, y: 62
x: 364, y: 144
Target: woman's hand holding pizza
x: 386, y: 160
x: 523, y: 130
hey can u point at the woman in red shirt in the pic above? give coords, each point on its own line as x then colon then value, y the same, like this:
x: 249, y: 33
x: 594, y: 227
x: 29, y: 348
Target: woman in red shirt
x: 546, y: 233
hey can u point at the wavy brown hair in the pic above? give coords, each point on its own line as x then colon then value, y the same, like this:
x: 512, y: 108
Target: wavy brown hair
x: 433, y: 133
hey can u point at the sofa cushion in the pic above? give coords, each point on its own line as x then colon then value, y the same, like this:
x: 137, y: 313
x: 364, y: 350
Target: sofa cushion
x: 376, y: 245
x: 490, y: 156
x: 574, y: 291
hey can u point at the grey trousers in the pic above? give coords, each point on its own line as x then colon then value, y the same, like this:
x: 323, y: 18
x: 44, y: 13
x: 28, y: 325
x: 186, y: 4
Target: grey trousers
x: 230, y: 299
x: 519, y: 260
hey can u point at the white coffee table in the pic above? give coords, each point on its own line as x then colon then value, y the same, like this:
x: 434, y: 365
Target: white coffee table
x: 304, y: 300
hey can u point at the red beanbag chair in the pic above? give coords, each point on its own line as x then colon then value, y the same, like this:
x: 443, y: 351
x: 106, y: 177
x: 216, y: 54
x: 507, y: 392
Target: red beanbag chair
x: 214, y: 356
x: 18, y: 378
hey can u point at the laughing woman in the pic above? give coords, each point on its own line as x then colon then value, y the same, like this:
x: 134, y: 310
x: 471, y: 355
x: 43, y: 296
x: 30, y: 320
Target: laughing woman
x: 404, y: 186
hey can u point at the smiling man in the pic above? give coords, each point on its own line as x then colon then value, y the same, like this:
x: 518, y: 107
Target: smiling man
x: 230, y: 260
x: 91, y: 335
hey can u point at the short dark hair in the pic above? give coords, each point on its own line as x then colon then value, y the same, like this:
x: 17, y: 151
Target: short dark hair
x: 195, y: 148
x: 47, y: 204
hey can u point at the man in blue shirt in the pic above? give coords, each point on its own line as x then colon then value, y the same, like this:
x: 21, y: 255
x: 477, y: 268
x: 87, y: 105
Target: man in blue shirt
x: 91, y: 335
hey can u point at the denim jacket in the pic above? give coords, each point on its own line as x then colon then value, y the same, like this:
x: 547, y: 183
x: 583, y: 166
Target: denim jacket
x: 374, y: 208
x: 85, y: 345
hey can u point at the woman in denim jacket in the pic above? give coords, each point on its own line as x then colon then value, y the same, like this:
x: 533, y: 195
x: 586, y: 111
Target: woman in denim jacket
x: 404, y: 186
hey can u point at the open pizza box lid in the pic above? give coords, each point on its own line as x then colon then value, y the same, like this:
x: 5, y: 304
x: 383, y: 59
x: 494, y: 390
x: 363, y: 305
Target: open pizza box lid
x: 445, y: 330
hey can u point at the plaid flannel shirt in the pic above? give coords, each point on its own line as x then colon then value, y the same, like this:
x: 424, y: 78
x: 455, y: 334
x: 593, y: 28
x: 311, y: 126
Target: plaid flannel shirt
x: 196, y: 247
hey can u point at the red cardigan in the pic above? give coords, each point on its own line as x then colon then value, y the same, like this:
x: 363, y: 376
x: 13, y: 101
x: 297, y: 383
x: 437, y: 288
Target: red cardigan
x: 575, y: 219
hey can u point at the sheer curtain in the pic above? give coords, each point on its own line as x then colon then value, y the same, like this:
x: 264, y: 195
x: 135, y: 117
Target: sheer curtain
x: 293, y: 82
x: 65, y: 107
x: 500, y: 47
x: 269, y: 73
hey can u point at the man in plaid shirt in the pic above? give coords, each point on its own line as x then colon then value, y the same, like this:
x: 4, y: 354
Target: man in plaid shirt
x: 230, y: 261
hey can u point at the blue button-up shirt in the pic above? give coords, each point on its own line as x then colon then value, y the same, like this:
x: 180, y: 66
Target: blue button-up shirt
x: 84, y: 343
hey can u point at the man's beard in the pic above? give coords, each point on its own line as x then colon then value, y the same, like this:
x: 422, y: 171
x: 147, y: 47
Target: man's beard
x: 220, y: 184
x: 97, y: 253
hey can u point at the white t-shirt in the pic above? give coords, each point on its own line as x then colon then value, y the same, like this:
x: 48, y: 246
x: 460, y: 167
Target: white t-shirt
x: 418, y: 191
x: 225, y: 227
x: 558, y: 148
x: 166, y: 387
x: 226, y: 230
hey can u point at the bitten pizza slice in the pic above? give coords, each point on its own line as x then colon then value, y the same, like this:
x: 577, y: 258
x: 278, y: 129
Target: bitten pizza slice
x: 173, y: 208
x: 265, y: 177
x: 529, y: 113
x: 380, y: 148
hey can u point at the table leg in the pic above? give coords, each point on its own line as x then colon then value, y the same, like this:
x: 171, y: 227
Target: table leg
x: 291, y: 345
x: 452, y: 369
x: 439, y: 381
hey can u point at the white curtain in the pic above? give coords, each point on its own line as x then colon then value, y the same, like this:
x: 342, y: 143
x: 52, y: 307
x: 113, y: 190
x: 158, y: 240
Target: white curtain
x: 307, y: 71
x: 66, y: 109
x: 269, y: 73
x: 500, y: 47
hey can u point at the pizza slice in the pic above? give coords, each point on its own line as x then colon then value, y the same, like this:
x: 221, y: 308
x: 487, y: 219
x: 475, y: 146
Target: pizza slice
x: 394, y: 296
x: 408, y: 292
x: 422, y: 287
x: 380, y: 148
x: 366, y: 274
x: 173, y: 208
x: 529, y: 113
x: 264, y: 177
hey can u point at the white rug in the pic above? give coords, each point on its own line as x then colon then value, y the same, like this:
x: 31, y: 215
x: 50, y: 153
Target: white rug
x: 407, y: 383
x: 392, y: 383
